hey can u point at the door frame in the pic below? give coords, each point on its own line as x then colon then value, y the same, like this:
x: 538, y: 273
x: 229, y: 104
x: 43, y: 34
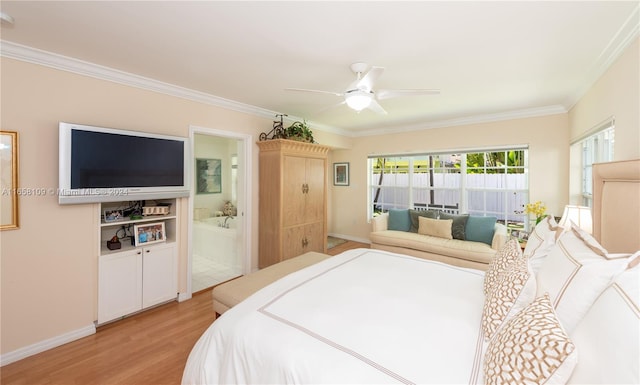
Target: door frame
x: 244, y: 186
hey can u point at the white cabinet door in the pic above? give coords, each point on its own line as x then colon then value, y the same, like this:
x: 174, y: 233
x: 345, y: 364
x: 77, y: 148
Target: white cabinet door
x: 119, y: 284
x: 159, y: 281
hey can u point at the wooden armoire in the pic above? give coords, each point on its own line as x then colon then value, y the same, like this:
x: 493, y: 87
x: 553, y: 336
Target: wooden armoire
x: 293, y: 199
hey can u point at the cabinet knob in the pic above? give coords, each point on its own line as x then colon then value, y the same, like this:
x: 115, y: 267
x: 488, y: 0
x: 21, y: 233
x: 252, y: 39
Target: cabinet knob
x: 305, y: 242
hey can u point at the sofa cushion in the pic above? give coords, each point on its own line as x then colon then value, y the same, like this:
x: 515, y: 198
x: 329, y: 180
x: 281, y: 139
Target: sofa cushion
x: 399, y: 220
x: 414, y: 214
x: 459, y: 223
x: 440, y: 228
x: 466, y: 250
x: 480, y: 229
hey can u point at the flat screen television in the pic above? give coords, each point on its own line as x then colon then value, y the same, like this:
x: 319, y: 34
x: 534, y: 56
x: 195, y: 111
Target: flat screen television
x: 98, y: 164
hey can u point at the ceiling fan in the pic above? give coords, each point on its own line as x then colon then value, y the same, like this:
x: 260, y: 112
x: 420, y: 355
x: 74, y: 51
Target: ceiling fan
x: 360, y: 94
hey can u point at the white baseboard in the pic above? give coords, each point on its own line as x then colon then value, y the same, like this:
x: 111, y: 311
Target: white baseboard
x: 350, y: 238
x: 50, y: 343
x: 183, y: 296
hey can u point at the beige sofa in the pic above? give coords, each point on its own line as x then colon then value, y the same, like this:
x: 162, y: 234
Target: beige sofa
x: 456, y: 252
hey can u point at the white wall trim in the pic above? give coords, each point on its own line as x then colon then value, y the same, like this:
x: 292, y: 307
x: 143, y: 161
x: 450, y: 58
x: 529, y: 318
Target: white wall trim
x: 47, y: 344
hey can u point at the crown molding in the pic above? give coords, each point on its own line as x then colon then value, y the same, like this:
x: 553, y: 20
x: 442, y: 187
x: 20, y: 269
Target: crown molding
x: 64, y: 63
x: 626, y: 35
x: 475, y: 119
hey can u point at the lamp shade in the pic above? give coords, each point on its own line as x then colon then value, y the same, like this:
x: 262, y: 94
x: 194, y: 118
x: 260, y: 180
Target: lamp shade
x: 580, y: 215
x: 358, y: 99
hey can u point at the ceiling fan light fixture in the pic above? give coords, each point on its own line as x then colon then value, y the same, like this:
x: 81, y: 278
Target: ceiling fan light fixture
x: 358, y: 100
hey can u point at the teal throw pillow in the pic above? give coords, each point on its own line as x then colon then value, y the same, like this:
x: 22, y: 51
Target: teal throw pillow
x: 480, y: 229
x: 414, y: 214
x: 458, y: 226
x: 399, y: 220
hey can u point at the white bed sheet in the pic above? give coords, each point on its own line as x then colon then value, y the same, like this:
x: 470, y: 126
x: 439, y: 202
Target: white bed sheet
x: 364, y: 316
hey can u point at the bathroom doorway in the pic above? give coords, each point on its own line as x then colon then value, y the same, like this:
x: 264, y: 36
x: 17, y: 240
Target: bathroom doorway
x: 218, y: 232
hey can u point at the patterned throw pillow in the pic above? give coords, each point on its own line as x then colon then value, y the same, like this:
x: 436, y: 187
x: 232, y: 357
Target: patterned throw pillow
x: 507, y: 254
x: 531, y: 348
x: 458, y: 226
x: 514, y: 290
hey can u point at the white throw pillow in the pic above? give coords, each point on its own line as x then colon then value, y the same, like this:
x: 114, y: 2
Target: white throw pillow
x: 608, y: 337
x: 531, y: 348
x: 515, y: 289
x: 541, y: 240
x: 576, y: 271
x: 507, y: 254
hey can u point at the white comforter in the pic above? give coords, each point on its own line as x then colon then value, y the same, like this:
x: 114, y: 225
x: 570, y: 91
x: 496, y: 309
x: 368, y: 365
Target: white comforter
x: 364, y: 316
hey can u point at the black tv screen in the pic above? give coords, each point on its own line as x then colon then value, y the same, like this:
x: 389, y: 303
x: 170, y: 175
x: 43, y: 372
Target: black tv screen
x: 105, y: 160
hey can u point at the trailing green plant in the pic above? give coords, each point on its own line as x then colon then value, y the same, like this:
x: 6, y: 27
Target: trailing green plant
x: 299, y: 131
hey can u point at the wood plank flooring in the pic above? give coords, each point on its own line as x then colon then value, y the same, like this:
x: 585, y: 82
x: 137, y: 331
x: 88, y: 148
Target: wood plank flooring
x: 149, y: 348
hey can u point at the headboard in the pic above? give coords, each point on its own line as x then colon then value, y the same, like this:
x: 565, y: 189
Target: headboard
x: 616, y: 205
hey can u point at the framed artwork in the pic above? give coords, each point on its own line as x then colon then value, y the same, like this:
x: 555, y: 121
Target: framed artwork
x: 341, y: 174
x: 9, y: 180
x: 148, y: 233
x: 208, y: 176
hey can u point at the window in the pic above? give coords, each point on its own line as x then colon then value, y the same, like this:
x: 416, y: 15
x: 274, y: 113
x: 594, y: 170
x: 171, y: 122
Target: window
x: 597, y: 147
x: 491, y: 183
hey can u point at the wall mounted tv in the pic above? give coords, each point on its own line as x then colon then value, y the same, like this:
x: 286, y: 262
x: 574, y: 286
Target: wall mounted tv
x: 98, y: 164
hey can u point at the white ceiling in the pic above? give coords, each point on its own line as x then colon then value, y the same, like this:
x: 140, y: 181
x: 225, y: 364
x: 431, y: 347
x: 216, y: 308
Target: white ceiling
x: 489, y: 59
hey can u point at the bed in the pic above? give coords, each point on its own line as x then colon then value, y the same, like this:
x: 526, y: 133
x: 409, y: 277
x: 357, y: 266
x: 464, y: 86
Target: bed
x: 566, y: 310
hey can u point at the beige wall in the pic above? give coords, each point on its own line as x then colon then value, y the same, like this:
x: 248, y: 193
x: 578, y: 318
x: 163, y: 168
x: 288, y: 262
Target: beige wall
x: 616, y: 94
x: 547, y: 138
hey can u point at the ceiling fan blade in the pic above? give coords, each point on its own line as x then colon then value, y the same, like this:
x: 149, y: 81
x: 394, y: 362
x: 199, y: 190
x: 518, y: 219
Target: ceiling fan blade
x: 376, y: 107
x: 369, y: 79
x: 387, y: 94
x: 315, y: 91
x: 325, y: 109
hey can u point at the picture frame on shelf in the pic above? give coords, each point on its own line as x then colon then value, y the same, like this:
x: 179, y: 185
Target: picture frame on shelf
x: 113, y: 215
x: 341, y: 174
x: 149, y: 233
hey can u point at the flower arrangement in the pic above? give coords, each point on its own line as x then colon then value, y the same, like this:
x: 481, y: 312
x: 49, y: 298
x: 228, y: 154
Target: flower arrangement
x: 538, y: 209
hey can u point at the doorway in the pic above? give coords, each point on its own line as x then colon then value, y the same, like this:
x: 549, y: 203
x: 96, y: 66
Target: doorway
x: 218, y: 247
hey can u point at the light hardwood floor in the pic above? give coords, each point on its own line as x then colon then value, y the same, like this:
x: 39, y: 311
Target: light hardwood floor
x: 149, y: 348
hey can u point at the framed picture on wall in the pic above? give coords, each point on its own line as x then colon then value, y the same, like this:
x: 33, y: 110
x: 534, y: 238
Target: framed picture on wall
x: 341, y: 174
x: 149, y: 233
x: 208, y: 176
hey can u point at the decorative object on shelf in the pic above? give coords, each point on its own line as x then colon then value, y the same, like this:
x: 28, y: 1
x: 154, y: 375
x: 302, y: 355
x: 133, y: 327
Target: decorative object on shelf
x: 341, y: 174
x: 9, y: 169
x: 209, y: 176
x: 148, y: 233
x: 229, y: 209
x: 113, y: 215
x: 155, y: 210
x: 580, y: 215
x: 538, y: 209
x: 278, y: 130
x: 299, y: 131
x: 114, y: 243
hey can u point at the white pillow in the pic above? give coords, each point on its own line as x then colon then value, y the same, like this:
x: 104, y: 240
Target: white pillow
x: 531, y: 348
x: 541, y: 240
x: 504, y: 257
x: 515, y: 289
x: 608, y: 336
x: 576, y: 271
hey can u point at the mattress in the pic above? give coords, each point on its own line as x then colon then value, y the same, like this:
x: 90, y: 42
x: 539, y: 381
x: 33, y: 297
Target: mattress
x: 363, y: 316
